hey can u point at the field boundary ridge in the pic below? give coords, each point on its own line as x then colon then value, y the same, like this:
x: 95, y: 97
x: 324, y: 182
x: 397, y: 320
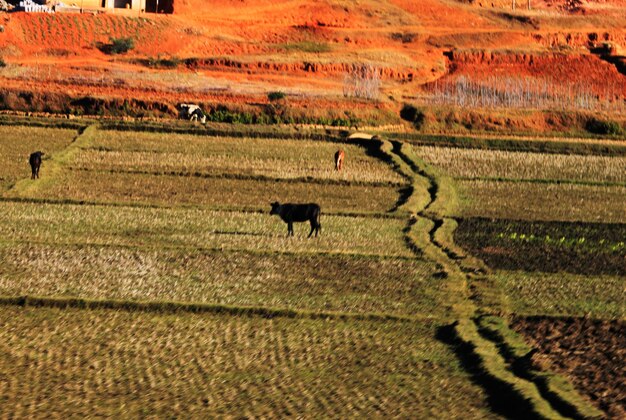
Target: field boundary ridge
x: 199, y: 308
x: 431, y: 230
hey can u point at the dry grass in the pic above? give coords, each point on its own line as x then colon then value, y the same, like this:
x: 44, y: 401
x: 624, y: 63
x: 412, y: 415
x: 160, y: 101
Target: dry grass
x: 310, y: 282
x: 523, y: 165
x: 18, y: 142
x: 120, y: 364
x: 539, y: 201
x: 564, y: 294
x: 195, y: 228
x: 155, y: 152
x: 213, y: 192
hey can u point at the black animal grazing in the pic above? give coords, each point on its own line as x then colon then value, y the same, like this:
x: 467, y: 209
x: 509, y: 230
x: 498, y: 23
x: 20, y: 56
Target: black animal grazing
x: 299, y: 213
x: 35, y: 164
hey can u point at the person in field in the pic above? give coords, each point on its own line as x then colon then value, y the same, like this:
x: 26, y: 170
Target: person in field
x: 339, y: 156
x: 291, y: 213
x: 35, y: 164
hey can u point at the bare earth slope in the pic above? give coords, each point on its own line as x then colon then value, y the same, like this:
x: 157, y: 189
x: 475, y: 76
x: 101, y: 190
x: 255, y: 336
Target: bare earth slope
x: 249, y: 47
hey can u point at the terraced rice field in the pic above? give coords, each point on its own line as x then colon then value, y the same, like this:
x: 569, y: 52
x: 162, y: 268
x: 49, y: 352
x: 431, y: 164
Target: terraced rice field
x: 221, y: 192
x: 142, y: 274
x: 17, y: 143
x: 348, y: 284
x: 473, y: 163
x: 108, y: 363
x: 185, y: 219
x: 197, y: 228
x: 542, y: 201
x: 274, y: 158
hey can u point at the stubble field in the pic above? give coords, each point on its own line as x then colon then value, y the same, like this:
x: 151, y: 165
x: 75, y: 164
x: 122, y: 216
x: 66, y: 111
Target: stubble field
x: 551, y: 229
x: 184, y: 219
x: 350, y: 323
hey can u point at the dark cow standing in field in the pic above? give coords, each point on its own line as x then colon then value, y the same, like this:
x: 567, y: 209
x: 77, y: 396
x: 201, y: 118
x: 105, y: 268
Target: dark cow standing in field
x: 339, y: 156
x: 35, y: 164
x: 298, y: 213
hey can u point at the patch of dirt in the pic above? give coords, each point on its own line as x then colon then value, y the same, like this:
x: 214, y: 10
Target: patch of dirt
x: 491, y: 240
x: 592, y: 353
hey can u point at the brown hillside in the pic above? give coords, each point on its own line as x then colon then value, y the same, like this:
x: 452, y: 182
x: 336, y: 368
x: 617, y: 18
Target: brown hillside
x: 250, y: 47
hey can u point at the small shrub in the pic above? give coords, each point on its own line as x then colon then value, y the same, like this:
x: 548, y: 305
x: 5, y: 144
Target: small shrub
x: 121, y: 45
x: 2, y: 63
x: 596, y: 126
x: 413, y: 115
x: 405, y: 38
x: 362, y: 81
x: 275, y: 96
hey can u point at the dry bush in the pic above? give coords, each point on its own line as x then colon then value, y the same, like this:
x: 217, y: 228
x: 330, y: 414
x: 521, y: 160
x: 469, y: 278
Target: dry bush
x: 362, y: 81
x: 526, y: 92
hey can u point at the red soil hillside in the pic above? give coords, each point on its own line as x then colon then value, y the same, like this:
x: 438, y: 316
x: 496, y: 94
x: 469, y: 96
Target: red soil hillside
x: 249, y: 47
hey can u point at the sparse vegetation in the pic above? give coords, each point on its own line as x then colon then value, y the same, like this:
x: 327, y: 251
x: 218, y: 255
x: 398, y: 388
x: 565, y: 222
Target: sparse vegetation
x: 118, y: 46
x: 275, y: 96
x: 362, y: 81
x: 307, y: 47
x: 516, y: 92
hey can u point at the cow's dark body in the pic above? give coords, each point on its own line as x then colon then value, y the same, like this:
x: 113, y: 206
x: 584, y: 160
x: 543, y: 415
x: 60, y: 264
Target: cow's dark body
x: 35, y: 164
x: 291, y: 213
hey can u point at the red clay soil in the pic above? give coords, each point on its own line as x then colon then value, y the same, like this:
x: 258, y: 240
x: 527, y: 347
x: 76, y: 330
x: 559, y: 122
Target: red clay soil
x: 592, y: 353
x: 306, y: 47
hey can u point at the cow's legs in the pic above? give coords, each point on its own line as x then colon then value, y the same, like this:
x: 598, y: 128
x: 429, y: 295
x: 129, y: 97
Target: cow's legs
x: 289, y: 229
x: 312, y: 229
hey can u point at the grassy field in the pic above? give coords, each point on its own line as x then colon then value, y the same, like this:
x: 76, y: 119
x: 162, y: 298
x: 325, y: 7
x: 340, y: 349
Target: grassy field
x: 473, y: 163
x: 564, y: 294
x: 225, y: 193
x: 347, y: 284
x: 542, y: 201
x: 356, y: 322
x: 108, y: 363
x: 276, y: 158
x: 18, y: 142
x: 196, y: 228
